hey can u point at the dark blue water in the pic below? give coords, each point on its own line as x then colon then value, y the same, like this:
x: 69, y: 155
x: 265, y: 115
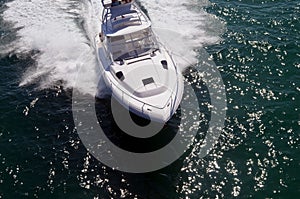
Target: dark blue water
x: 257, y: 155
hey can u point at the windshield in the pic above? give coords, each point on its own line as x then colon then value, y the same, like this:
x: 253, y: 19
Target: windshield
x: 133, y: 45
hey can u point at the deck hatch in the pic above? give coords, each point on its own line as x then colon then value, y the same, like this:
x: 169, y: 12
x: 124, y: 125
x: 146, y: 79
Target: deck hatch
x: 148, y: 81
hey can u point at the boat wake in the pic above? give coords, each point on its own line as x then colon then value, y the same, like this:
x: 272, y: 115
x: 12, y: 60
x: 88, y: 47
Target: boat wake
x: 184, y: 27
x: 62, y: 33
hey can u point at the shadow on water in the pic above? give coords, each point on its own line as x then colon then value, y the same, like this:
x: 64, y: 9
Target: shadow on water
x: 130, y: 143
x: 163, y: 183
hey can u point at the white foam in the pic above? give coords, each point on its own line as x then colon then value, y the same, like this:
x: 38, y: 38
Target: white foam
x: 183, y: 26
x: 52, y: 27
x: 63, y: 32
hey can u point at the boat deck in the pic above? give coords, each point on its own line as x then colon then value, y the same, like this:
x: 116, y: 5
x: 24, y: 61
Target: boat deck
x: 123, y: 19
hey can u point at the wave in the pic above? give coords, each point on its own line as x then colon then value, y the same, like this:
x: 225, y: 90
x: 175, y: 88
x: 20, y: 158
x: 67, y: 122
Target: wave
x: 62, y: 32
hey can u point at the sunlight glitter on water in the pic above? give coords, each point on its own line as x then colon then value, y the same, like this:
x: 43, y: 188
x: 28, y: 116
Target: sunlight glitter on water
x: 257, y: 153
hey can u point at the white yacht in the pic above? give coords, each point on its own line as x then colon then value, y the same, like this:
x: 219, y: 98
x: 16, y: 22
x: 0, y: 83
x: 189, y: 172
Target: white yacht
x: 136, y: 67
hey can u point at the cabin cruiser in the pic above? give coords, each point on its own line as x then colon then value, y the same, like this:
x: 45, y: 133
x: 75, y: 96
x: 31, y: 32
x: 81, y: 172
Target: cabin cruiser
x: 136, y: 67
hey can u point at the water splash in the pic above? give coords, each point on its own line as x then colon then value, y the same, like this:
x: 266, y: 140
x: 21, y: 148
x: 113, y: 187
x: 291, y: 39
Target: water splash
x: 54, y: 29
x: 63, y: 32
x: 184, y: 27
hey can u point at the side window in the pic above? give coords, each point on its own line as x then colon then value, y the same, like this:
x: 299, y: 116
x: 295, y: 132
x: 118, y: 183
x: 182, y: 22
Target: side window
x: 117, y: 46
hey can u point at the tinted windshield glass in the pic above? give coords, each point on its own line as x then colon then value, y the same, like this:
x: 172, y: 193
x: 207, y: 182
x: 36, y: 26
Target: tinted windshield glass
x: 133, y: 45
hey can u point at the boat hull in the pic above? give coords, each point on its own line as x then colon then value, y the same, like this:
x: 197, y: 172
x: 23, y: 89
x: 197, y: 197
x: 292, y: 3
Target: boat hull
x: 144, y: 80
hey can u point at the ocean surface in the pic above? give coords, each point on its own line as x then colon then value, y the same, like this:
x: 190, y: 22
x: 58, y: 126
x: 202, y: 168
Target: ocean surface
x: 256, y: 48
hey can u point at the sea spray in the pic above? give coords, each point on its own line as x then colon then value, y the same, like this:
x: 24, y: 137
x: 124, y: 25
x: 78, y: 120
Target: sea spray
x: 54, y: 29
x: 182, y: 27
x: 63, y: 33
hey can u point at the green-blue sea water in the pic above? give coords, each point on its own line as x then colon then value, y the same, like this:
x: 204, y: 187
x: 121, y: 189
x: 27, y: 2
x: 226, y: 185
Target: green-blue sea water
x: 257, y: 155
